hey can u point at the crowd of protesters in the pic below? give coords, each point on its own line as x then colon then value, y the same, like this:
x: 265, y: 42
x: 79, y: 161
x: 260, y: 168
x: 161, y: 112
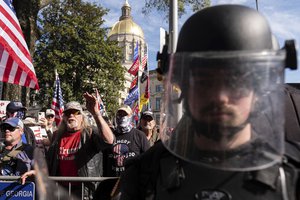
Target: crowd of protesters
x: 84, y: 144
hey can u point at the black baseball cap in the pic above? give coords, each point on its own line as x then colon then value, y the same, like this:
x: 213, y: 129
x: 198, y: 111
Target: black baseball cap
x: 15, y: 106
x: 147, y: 113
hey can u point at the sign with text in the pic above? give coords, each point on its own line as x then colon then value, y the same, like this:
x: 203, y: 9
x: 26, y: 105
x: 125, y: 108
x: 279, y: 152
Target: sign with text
x: 3, y: 105
x: 15, y: 190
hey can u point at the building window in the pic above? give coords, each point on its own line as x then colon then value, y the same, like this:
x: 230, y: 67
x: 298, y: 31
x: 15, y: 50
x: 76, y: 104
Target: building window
x: 158, y: 88
x: 157, y: 103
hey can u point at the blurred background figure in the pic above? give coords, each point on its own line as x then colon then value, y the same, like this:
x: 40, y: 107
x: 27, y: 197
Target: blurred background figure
x: 148, y: 126
x: 16, y: 109
x: 16, y: 157
x: 48, y: 123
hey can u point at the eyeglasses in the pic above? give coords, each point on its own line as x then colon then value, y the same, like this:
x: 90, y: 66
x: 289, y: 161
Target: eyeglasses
x: 72, y: 112
x: 49, y: 116
x: 9, y: 128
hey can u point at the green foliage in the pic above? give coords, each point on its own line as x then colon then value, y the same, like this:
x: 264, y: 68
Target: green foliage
x: 73, y: 42
x: 163, y: 6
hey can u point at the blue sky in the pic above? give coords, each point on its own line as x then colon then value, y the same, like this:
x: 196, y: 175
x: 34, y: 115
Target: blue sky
x: 284, y: 18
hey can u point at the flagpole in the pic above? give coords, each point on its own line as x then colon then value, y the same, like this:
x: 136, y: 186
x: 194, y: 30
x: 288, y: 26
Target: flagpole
x: 148, y: 79
x: 138, y: 81
x: 56, y: 73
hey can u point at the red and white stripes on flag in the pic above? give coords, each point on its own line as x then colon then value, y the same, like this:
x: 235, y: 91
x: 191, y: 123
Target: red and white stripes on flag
x: 145, y: 73
x: 57, y: 101
x: 144, y: 61
x: 15, y: 60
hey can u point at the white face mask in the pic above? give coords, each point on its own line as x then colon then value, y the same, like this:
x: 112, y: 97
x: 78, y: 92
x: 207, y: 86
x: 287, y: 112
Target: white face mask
x: 123, y: 121
x: 123, y: 124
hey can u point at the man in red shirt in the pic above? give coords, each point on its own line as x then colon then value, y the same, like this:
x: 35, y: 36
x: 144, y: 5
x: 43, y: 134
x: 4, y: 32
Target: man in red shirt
x: 76, y: 149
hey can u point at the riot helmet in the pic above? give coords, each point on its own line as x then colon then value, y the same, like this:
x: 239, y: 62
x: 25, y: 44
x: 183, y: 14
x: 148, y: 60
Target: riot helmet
x: 227, y: 73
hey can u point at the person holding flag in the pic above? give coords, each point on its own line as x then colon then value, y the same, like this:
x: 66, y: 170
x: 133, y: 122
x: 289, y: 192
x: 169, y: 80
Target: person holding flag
x: 57, y: 102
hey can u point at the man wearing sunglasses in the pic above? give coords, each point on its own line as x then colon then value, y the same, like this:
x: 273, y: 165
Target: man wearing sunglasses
x: 16, y: 109
x: 16, y: 157
x: 76, y: 148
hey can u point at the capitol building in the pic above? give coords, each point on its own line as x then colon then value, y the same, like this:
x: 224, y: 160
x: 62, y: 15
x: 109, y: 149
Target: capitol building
x: 127, y: 33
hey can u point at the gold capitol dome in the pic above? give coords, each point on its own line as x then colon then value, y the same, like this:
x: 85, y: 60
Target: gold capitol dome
x: 126, y: 25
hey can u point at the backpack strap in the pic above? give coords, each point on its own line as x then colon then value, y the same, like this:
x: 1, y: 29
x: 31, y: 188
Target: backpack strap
x: 12, y: 154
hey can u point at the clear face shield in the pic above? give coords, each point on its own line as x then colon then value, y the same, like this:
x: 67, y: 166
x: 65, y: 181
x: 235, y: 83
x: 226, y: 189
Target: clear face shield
x: 233, y: 109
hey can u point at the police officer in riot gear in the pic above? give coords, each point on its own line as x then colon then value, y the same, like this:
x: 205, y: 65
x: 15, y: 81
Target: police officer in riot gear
x: 230, y: 76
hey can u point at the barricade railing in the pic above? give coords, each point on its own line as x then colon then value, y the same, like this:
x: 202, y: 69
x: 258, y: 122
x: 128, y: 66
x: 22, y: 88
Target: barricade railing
x: 68, y: 180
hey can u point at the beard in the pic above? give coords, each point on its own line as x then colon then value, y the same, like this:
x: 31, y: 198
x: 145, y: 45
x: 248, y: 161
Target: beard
x: 218, y: 129
x: 72, y: 125
x: 10, y: 139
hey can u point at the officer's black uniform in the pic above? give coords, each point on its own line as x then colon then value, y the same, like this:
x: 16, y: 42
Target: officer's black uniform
x: 158, y: 174
x: 222, y: 50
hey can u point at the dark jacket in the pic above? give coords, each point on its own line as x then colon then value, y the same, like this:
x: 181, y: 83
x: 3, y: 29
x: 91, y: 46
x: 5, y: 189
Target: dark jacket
x: 88, y: 158
x: 158, y: 174
x: 16, y: 161
x: 30, y: 137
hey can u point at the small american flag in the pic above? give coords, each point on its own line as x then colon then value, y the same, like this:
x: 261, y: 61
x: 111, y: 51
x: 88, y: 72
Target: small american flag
x: 145, y: 73
x: 57, y: 102
x: 15, y: 60
x: 100, y: 103
x: 144, y: 62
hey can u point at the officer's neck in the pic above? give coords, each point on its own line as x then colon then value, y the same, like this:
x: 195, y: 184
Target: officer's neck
x: 224, y: 143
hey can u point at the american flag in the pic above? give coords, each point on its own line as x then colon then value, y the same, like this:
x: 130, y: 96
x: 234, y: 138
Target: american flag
x: 100, y: 103
x: 57, y: 102
x: 144, y: 61
x: 15, y: 60
x: 144, y: 75
x: 136, y: 61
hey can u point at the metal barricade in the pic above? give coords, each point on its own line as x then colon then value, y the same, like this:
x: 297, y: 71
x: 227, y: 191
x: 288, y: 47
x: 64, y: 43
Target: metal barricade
x: 59, y: 192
